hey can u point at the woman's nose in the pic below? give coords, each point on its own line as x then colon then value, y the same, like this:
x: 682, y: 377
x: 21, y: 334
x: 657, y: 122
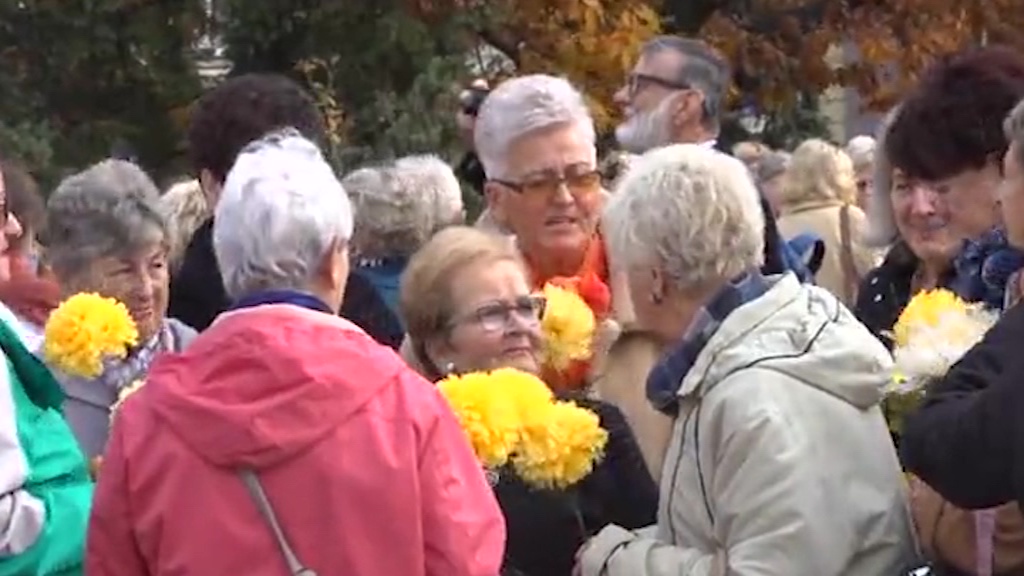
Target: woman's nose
x: 12, y: 228
x: 922, y: 201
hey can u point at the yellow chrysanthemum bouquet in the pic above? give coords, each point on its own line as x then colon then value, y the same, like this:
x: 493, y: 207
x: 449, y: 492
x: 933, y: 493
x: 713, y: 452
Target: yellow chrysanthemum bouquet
x: 934, y: 331
x: 512, y: 418
x: 82, y: 332
x: 86, y: 329
x: 568, y: 326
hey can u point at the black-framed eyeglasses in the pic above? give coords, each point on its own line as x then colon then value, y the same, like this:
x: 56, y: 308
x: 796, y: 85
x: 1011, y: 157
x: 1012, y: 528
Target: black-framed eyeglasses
x: 579, y: 183
x: 495, y: 316
x: 637, y: 82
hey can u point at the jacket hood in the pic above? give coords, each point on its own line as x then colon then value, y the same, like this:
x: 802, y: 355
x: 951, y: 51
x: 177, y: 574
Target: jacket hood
x: 262, y: 384
x: 802, y: 331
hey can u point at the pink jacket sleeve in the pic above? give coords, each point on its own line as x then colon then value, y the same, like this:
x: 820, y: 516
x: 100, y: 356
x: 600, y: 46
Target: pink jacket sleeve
x: 463, y: 528
x: 110, y: 548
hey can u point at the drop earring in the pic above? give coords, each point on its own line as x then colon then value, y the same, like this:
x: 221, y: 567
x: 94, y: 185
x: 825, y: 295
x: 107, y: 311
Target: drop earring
x: 448, y: 368
x: 656, y: 298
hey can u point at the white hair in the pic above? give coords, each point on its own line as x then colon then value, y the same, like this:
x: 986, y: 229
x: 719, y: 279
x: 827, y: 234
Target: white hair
x: 861, y: 150
x: 694, y: 212
x: 281, y: 210
x: 436, y: 182
x: 522, y: 106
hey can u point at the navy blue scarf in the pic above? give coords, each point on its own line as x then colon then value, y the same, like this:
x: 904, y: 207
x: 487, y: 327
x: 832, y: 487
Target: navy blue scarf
x: 293, y: 297
x: 667, y: 375
x: 984, y: 267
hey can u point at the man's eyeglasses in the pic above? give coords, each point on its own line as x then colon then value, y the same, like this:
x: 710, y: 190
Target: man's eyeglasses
x: 636, y: 83
x: 499, y: 315
x: 578, y: 184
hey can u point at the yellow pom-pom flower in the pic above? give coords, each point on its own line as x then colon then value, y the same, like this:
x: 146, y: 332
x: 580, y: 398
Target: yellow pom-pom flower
x: 84, y: 330
x: 568, y: 327
x: 490, y: 422
x: 510, y: 415
x: 560, y: 446
x: 525, y: 392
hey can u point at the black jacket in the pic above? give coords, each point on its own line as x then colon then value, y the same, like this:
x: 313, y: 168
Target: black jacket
x: 197, y: 290
x: 885, y: 291
x: 544, y: 531
x: 198, y: 296
x: 967, y: 440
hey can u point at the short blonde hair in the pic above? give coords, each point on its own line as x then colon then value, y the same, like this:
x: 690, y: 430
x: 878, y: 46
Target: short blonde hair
x: 693, y: 211
x: 425, y: 297
x: 186, y: 207
x: 818, y: 171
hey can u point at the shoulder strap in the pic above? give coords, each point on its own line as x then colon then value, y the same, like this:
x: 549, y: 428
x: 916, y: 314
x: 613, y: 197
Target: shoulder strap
x: 849, y: 267
x: 259, y: 497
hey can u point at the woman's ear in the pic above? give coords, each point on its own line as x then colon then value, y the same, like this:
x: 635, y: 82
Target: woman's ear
x: 439, y: 353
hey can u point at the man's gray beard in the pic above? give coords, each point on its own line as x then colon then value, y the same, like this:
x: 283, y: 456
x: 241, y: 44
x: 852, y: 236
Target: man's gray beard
x: 643, y: 132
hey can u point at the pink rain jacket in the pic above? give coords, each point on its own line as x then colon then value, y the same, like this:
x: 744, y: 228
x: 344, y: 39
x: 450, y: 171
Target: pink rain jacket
x: 364, y: 464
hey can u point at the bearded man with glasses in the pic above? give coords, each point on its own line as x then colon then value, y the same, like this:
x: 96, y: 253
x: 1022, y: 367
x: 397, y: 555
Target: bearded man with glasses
x: 675, y: 95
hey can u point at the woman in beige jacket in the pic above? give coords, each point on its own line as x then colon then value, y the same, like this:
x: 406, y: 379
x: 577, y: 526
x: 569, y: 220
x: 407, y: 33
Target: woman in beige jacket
x: 779, y: 462
x: 818, y: 197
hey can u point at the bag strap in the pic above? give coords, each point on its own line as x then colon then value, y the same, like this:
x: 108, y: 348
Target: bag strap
x: 259, y: 497
x: 851, y: 278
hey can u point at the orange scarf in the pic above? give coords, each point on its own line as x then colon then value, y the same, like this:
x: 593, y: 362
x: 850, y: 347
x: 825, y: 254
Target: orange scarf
x: 591, y: 283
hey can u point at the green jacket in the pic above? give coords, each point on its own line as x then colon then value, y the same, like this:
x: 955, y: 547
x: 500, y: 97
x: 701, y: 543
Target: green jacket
x: 45, y: 488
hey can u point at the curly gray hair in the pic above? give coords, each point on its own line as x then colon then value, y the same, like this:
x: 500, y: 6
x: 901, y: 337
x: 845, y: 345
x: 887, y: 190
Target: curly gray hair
x: 401, y: 205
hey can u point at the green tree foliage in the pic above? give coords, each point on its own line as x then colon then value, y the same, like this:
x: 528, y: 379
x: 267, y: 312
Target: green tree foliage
x: 385, y: 79
x: 78, y: 75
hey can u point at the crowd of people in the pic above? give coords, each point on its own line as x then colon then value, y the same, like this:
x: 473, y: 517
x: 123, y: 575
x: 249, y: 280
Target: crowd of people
x: 293, y: 322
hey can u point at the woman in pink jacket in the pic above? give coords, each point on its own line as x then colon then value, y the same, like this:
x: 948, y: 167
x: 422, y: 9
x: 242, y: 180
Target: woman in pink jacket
x: 284, y: 438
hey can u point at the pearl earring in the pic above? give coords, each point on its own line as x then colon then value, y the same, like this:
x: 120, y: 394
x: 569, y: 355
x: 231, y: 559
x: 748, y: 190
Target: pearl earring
x: 448, y: 368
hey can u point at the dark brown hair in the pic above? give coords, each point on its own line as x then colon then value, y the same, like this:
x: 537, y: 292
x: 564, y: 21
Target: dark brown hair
x: 953, y: 120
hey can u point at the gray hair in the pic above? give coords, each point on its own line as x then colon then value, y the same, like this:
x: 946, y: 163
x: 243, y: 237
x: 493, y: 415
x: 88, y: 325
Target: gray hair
x: 109, y: 209
x: 882, y: 231
x: 436, y: 182
x: 522, y: 106
x: 695, y: 212
x: 399, y: 206
x: 281, y: 210
x: 1014, y: 129
x: 703, y: 68
x: 861, y: 150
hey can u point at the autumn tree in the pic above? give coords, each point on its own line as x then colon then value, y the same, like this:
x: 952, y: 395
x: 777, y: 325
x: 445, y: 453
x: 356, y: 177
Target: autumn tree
x: 784, y: 48
x: 593, y: 42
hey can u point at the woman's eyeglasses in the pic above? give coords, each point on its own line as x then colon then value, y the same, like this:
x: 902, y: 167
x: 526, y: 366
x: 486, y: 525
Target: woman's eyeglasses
x: 500, y: 315
x: 579, y: 184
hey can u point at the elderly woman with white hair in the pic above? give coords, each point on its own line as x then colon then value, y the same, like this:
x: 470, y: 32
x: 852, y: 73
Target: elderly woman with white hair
x: 536, y: 140
x: 399, y: 207
x: 780, y: 461
x: 107, y: 233
x: 304, y: 446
